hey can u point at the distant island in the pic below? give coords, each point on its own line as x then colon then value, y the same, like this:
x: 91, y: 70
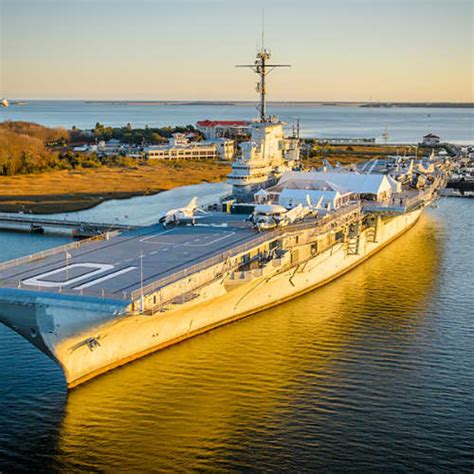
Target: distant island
x: 158, y: 102
x: 456, y: 105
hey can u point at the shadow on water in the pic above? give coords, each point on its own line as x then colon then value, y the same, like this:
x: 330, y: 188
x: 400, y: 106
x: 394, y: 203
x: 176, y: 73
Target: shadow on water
x: 331, y: 379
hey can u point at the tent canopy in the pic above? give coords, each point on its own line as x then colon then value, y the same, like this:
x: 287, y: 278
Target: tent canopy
x: 354, y: 182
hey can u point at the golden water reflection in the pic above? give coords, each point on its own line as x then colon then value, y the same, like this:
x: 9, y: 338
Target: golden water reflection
x: 208, y: 400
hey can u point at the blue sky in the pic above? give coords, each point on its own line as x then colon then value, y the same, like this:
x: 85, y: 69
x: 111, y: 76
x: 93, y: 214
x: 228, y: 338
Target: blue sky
x: 186, y: 49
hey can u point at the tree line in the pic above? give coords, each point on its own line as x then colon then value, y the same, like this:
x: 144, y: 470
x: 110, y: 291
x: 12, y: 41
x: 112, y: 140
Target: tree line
x: 32, y: 148
x: 129, y: 135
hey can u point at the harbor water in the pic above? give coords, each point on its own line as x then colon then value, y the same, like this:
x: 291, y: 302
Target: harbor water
x: 373, y: 372
x: 403, y: 124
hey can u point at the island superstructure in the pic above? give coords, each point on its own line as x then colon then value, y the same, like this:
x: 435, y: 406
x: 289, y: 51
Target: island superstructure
x: 100, y: 303
x: 269, y: 153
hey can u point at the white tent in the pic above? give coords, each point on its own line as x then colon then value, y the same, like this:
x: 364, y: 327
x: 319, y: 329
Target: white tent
x: 378, y: 185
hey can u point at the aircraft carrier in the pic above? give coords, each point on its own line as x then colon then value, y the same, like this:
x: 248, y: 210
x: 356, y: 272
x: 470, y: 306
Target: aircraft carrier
x: 97, y: 304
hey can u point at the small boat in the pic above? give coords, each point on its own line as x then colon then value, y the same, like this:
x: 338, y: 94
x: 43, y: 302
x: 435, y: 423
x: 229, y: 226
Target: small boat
x: 5, y: 102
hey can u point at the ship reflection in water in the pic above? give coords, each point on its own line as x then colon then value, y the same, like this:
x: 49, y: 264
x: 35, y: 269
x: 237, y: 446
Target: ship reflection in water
x: 330, y: 379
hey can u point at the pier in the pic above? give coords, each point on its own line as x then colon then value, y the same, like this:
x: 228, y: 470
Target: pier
x: 38, y: 225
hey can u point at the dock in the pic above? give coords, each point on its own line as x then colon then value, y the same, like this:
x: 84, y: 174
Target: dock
x: 31, y: 223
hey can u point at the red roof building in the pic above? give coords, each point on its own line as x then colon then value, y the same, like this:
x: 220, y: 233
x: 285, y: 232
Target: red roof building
x: 213, y: 129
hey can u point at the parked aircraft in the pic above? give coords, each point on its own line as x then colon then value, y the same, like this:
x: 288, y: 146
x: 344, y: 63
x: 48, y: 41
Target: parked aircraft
x: 186, y: 214
x: 269, y: 216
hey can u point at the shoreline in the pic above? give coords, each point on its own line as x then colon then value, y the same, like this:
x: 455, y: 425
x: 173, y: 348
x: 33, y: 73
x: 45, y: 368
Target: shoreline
x: 64, y: 191
x: 63, y: 203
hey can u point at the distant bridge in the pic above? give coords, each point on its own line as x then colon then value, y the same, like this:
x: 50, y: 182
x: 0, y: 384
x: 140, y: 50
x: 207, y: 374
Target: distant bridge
x: 38, y: 225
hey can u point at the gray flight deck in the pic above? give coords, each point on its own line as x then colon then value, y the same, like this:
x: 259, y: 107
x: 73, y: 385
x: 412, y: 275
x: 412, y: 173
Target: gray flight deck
x: 126, y: 262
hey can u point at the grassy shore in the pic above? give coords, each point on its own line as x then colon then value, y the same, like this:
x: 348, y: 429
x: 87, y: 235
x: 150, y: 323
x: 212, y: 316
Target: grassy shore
x: 65, y: 191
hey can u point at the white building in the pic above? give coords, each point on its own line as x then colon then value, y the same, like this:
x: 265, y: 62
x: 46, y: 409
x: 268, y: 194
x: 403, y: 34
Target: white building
x: 195, y: 151
x: 112, y: 147
x: 81, y: 149
x: 179, y: 148
x: 225, y: 148
x: 431, y: 139
x: 178, y: 139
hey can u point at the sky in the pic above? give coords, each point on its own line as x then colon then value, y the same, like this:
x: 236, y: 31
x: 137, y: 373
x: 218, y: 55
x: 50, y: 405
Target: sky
x: 340, y: 50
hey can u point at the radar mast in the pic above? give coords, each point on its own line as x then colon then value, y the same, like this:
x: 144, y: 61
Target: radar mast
x: 262, y: 69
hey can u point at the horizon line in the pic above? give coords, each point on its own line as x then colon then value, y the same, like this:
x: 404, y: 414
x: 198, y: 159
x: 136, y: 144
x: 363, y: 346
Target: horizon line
x: 244, y: 101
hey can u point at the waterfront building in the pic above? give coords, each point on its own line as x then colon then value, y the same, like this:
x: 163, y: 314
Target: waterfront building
x: 195, y: 151
x: 81, y: 149
x: 178, y: 139
x: 212, y: 129
x: 180, y: 148
x: 431, y: 139
x: 225, y: 148
x: 111, y: 147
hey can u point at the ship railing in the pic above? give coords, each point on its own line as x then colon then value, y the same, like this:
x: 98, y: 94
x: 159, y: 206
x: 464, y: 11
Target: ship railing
x: 407, y: 200
x: 427, y: 195
x: 320, y: 226
x: 31, y: 219
x: 330, y: 221
x: 55, y: 251
x: 210, y: 262
x: 102, y: 293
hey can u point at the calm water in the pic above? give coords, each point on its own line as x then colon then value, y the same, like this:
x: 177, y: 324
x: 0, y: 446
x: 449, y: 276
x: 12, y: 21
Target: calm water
x: 372, y: 372
x: 403, y: 124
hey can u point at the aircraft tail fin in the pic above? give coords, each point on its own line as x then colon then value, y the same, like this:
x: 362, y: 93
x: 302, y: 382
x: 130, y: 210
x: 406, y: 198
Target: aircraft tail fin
x: 192, y: 204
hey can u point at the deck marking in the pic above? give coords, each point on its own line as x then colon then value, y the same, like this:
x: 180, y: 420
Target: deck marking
x: 144, y: 240
x: 106, y: 277
x: 38, y: 279
x: 210, y: 242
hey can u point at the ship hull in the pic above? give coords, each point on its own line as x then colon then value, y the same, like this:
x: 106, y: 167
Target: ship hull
x: 110, y: 337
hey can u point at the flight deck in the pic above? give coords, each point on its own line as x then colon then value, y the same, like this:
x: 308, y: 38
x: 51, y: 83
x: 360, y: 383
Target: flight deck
x: 133, y: 259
